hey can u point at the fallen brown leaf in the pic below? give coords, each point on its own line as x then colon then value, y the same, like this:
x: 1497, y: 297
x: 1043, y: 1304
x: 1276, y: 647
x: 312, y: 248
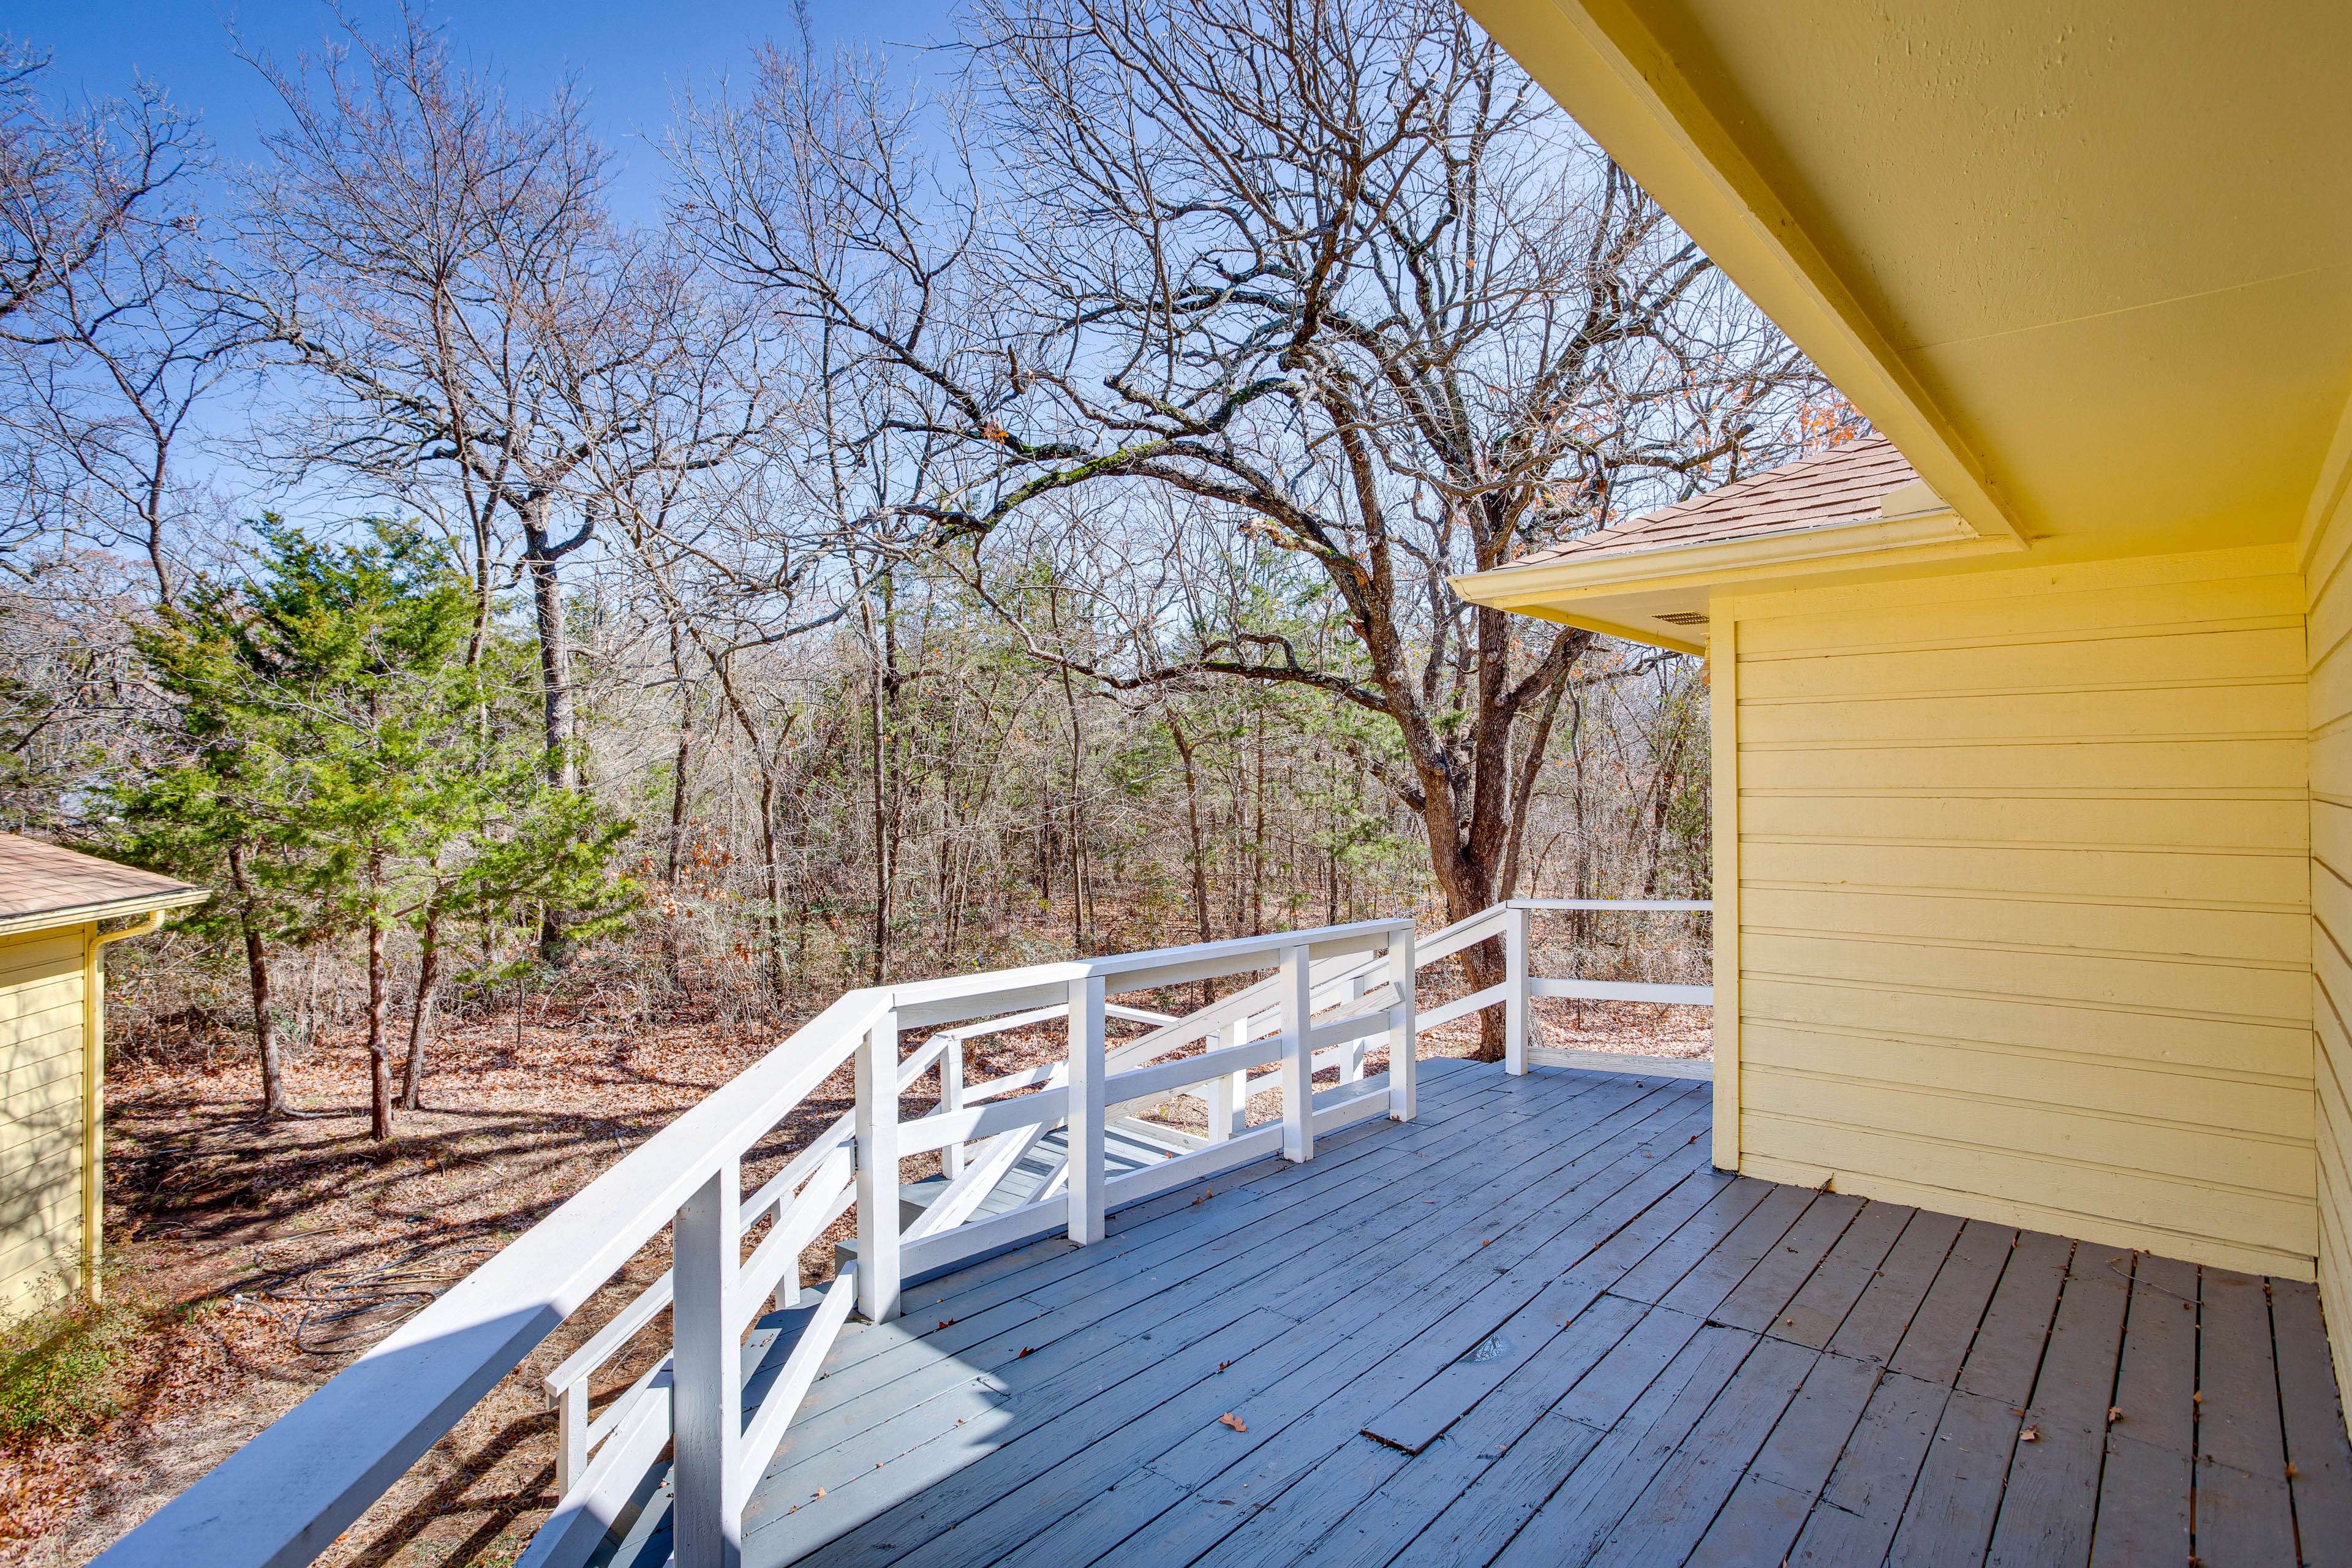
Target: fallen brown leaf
x: 2031, y: 1435
x: 2114, y: 1414
x: 1232, y: 1420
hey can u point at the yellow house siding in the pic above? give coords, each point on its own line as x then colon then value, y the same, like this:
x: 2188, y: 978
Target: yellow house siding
x: 2024, y: 922
x: 1723, y: 716
x: 2327, y: 569
x: 42, y: 980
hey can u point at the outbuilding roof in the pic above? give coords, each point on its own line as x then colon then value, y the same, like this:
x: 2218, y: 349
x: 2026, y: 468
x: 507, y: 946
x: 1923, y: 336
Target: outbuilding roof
x: 42, y: 885
x: 1845, y: 484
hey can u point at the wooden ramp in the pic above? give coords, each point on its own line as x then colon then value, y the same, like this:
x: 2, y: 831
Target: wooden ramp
x: 1535, y: 1328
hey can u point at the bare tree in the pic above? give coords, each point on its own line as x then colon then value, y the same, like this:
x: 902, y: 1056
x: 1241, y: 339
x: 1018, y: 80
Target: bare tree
x: 496, y: 350
x: 110, y: 339
x: 1338, y: 275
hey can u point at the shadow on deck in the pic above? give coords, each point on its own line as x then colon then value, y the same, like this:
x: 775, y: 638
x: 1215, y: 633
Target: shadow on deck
x: 1535, y: 1327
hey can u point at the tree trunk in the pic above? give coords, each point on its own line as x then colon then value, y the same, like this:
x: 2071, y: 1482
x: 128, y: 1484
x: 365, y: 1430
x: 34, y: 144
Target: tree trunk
x: 677, y: 797
x: 776, y: 921
x: 379, y: 1063
x: 555, y: 688
x: 1257, y: 835
x: 1079, y: 942
x: 420, y: 1017
x: 1662, y: 806
x: 1524, y: 795
x: 768, y: 757
x: 883, y: 880
x: 1192, y: 826
x: 257, y: 972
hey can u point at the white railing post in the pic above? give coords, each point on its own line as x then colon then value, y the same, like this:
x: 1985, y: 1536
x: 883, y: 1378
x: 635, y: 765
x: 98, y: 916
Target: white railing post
x: 878, y: 1172
x: 571, y: 1435
x: 1229, y: 1091
x: 1404, y: 1037
x: 708, y: 1511
x: 1297, y: 1056
x: 1516, y: 1014
x: 1086, y: 1118
x: 952, y: 1098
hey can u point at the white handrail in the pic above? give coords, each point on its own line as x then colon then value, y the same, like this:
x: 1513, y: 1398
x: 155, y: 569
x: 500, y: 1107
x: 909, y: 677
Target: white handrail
x: 1324, y: 993
x: 287, y: 1495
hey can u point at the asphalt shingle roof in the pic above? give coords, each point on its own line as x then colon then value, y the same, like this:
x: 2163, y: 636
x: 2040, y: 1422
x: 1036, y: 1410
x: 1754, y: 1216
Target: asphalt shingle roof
x: 1843, y: 485
x: 37, y: 878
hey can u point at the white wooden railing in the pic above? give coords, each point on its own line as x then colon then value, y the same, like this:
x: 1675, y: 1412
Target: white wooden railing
x: 1326, y: 998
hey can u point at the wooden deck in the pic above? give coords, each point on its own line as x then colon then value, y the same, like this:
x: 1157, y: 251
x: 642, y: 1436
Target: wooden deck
x: 1534, y: 1327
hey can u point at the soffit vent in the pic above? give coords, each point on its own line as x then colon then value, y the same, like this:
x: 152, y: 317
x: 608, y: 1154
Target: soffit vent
x: 1683, y: 618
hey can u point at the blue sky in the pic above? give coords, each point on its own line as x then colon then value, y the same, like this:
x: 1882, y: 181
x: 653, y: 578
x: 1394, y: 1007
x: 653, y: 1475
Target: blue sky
x: 629, y: 56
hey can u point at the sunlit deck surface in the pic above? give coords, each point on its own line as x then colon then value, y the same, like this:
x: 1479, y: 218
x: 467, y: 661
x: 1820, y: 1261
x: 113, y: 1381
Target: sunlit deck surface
x: 1570, y: 1340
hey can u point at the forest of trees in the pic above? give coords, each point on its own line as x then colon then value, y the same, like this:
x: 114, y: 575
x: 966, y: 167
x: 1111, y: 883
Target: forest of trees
x: 988, y: 514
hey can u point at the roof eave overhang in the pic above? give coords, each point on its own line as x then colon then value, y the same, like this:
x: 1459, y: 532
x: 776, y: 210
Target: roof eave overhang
x: 106, y: 910
x: 1600, y: 62
x: 1598, y: 593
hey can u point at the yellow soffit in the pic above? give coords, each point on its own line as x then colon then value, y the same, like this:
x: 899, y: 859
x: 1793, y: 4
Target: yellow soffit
x: 1600, y: 62
x: 2090, y: 268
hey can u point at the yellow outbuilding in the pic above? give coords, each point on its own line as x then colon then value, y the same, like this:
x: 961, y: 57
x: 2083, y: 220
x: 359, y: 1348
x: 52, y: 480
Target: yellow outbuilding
x: 53, y: 906
x: 2034, y: 713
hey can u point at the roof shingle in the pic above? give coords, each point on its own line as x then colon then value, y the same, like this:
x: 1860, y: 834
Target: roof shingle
x: 37, y: 878
x: 1843, y: 485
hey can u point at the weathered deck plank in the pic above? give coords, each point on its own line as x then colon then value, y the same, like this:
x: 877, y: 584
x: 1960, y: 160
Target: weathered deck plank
x: 1535, y: 1327
x: 2052, y: 1497
x: 2244, y: 1513
x: 2320, y: 1459
x: 2146, y: 1484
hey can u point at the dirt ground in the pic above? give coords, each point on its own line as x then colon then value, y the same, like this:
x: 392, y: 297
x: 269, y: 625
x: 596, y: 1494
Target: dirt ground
x: 257, y: 1259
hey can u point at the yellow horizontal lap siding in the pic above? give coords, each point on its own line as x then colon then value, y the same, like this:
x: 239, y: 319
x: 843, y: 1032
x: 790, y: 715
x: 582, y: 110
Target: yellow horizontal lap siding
x: 30, y: 1006
x: 40, y: 1225
x: 2262, y: 993
x: 2126, y: 1147
x: 2142, y: 660
x: 36, y: 1056
x: 2052, y: 922
x: 2127, y: 1032
x: 2238, y: 589
x: 2327, y: 576
x: 2079, y: 821
x: 2270, y: 880
x: 41, y: 1113
x: 43, y: 982
x: 2233, y: 765
x: 2024, y: 900
x: 2275, y: 1105
x: 2220, y: 710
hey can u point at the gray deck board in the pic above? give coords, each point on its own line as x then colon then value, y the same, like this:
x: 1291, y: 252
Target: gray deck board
x: 2243, y: 1511
x: 2151, y: 1449
x: 2051, y: 1497
x: 1761, y: 1520
x: 1536, y: 1327
x: 2319, y: 1461
x: 1874, y: 1325
x: 1945, y: 1325
x: 1859, y: 1509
